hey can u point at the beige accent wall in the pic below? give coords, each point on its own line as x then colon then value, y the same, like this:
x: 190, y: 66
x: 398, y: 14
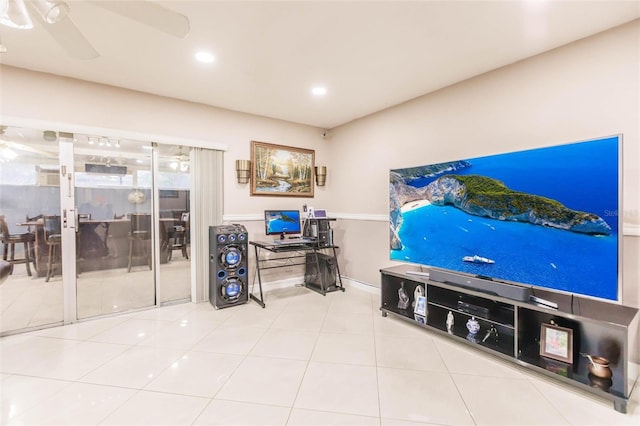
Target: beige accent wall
x: 584, y: 90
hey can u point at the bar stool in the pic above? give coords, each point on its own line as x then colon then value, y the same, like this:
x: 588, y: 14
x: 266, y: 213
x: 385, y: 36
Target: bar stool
x: 9, y: 242
x: 140, y: 238
x: 53, y: 238
x: 179, y: 236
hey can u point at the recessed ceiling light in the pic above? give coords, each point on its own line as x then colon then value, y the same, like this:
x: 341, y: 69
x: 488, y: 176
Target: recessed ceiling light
x: 205, y: 57
x: 319, y: 91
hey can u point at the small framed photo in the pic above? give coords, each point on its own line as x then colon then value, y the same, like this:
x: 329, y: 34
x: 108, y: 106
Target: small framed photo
x: 420, y: 306
x: 556, y: 343
x: 420, y: 318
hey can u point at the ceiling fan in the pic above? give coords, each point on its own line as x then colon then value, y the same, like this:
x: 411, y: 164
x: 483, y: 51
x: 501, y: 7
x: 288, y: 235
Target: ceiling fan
x: 55, y: 19
x: 179, y: 161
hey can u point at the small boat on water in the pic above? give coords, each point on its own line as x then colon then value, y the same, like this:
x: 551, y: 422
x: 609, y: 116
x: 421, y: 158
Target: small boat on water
x: 477, y: 259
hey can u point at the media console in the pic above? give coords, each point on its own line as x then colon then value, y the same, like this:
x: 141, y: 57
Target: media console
x: 512, y: 329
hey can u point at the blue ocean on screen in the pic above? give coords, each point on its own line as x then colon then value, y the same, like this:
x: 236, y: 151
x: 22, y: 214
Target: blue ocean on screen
x: 582, y: 176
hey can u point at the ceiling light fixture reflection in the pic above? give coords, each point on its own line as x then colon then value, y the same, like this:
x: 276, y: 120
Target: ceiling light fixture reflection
x: 15, y: 15
x: 52, y: 11
x: 205, y: 57
x: 7, y: 155
x: 319, y: 91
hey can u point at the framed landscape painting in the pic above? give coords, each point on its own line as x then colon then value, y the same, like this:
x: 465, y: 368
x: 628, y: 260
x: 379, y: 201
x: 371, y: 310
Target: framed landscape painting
x: 281, y: 170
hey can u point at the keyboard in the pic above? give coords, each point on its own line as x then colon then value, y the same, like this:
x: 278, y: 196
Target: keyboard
x: 292, y: 241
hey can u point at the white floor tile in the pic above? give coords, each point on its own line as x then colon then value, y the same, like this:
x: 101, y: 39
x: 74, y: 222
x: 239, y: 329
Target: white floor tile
x: 306, y: 359
x: 343, y: 322
x: 301, y: 417
x: 504, y: 401
x: 20, y: 393
x: 288, y: 344
x: 233, y: 413
x: 20, y: 353
x: 130, y: 332
x: 230, y: 339
x: 73, y: 363
x: 421, y: 396
x: 580, y: 408
x: 395, y: 422
x: 196, y: 374
x: 135, y: 367
x: 411, y: 353
x: 269, y: 381
x: 82, y: 330
x: 341, y: 388
x: 397, y: 327
x: 182, y: 334
x: 153, y: 408
x: 252, y: 315
x: 79, y: 404
x: 345, y: 348
x: 300, y: 320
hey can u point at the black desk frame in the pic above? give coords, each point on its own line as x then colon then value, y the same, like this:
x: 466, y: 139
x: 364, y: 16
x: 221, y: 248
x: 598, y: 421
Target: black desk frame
x: 297, y: 257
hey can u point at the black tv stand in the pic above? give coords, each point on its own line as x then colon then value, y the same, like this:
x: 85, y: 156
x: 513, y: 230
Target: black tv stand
x: 511, y: 329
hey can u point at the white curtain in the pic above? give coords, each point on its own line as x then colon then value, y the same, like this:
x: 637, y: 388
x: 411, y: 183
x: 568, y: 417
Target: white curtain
x: 206, y: 210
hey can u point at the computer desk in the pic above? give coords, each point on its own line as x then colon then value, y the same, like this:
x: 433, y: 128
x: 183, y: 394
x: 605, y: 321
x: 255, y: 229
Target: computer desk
x: 296, y: 255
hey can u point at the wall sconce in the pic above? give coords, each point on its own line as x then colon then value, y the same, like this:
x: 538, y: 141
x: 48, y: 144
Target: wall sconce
x: 243, y: 170
x: 321, y: 175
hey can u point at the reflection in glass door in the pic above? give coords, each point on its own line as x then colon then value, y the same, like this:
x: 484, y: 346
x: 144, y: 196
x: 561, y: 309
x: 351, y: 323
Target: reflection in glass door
x: 174, y: 200
x: 32, y: 295
x: 115, y: 232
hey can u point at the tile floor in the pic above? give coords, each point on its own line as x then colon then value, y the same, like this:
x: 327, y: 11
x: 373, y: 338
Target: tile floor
x: 31, y: 302
x: 304, y: 360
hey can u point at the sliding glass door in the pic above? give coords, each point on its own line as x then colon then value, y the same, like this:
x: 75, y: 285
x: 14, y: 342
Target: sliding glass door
x: 31, y: 291
x: 90, y: 226
x: 114, y: 201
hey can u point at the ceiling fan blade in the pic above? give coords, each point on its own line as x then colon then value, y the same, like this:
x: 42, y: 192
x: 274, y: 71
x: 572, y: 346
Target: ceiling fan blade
x: 151, y: 14
x: 71, y: 39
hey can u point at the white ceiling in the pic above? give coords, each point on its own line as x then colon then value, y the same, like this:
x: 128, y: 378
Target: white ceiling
x: 369, y: 55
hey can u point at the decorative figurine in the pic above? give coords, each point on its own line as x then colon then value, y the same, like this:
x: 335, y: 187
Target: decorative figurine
x: 417, y: 292
x: 473, y: 325
x: 491, y: 331
x: 403, y: 301
x: 472, y: 337
x: 450, y: 322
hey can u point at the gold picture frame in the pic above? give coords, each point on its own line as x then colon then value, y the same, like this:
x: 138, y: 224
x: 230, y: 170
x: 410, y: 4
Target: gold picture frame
x: 556, y: 343
x: 279, y: 170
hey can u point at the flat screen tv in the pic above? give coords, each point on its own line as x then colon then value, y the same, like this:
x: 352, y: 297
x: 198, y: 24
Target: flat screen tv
x: 281, y: 222
x: 544, y: 217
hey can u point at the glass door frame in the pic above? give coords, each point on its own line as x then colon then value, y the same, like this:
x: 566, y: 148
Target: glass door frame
x: 68, y: 213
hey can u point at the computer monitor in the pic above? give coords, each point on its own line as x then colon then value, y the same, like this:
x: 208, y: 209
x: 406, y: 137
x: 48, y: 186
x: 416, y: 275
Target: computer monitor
x: 281, y: 222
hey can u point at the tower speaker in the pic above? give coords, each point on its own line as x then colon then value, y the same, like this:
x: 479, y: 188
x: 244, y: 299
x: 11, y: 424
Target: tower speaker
x: 228, y: 265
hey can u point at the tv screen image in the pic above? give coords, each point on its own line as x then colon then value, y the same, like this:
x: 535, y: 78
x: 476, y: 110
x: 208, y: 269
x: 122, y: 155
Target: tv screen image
x: 279, y: 222
x: 544, y: 217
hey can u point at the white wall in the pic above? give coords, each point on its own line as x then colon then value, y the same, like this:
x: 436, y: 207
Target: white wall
x: 79, y: 104
x: 584, y: 90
